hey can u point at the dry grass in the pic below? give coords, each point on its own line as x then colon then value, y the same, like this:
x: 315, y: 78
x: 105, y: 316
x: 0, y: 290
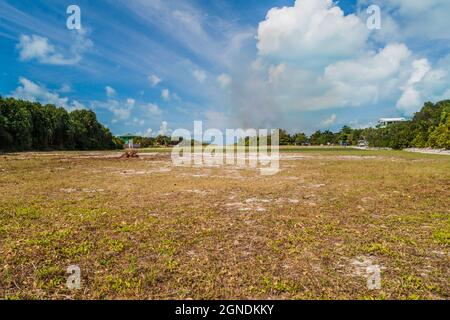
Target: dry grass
x: 142, y: 229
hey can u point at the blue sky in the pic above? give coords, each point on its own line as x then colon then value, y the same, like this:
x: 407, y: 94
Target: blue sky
x: 149, y: 66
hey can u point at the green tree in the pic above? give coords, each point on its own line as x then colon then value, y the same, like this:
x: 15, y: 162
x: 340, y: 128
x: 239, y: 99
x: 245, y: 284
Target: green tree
x: 300, y: 139
x: 30, y: 126
x: 440, y: 136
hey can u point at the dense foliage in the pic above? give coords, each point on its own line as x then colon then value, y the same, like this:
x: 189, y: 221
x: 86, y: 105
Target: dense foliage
x: 28, y: 126
x: 429, y: 128
x: 31, y: 126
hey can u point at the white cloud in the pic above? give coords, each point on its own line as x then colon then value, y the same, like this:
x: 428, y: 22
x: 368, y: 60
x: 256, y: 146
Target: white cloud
x: 31, y: 91
x: 123, y: 110
x: 329, y: 121
x: 34, y: 47
x: 414, y: 19
x: 311, y: 57
x: 39, y: 48
x: 189, y: 20
x: 154, y: 80
x: 65, y: 88
x: 148, y: 133
x: 120, y: 112
x: 163, y: 129
x: 131, y: 102
x: 275, y: 72
x: 153, y: 109
x: 120, y: 109
x: 199, y: 75
x: 224, y: 80
x: 75, y: 105
x: 370, y: 67
x: 420, y: 69
x: 110, y: 92
x: 411, y: 100
x: 315, y: 29
x: 368, y: 78
x: 165, y: 94
x: 138, y: 121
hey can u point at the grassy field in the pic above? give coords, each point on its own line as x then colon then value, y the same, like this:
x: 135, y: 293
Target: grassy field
x: 143, y: 229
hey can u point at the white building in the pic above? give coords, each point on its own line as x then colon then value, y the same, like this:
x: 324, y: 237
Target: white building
x: 384, y: 122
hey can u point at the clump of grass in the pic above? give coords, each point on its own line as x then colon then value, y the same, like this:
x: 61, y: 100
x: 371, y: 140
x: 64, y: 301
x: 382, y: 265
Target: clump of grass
x: 167, y: 247
x: 412, y: 282
x: 378, y: 248
x: 122, y: 284
x: 50, y: 276
x: 280, y: 286
x: 81, y: 249
x: 3, y: 231
x: 28, y: 213
x: 442, y: 237
x: 114, y: 245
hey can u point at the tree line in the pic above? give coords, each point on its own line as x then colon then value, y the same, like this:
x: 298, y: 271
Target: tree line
x: 26, y: 126
x: 429, y: 128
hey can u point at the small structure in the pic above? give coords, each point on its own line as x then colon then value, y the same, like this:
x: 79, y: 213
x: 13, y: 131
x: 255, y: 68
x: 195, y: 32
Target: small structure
x: 129, y: 146
x: 128, y: 141
x: 363, y: 143
x: 385, y: 122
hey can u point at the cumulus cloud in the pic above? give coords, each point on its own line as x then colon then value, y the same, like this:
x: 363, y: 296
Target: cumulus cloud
x: 411, y: 101
x: 164, y: 129
x: 364, y: 80
x: 153, y: 109
x: 131, y: 102
x: 165, y: 94
x: 414, y: 19
x: 34, y: 47
x: 120, y: 112
x: 110, y: 92
x: 199, y: 75
x: 31, y: 91
x: 154, y: 80
x: 311, y: 28
x: 148, y: 133
x: 123, y: 110
x: 40, y: 49
x: 311, y: 57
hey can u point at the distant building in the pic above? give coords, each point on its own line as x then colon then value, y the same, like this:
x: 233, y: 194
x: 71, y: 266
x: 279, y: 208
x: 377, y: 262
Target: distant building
x: 128, y: 141
x: 363, y: 143
x: 384, y: 122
